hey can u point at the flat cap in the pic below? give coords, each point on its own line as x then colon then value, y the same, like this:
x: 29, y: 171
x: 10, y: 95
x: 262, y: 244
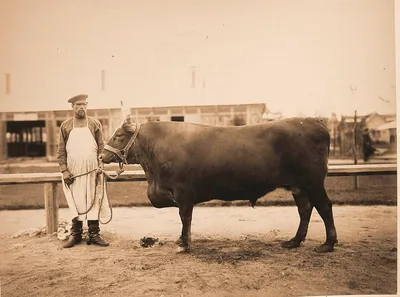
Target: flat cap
x: 80, y: 97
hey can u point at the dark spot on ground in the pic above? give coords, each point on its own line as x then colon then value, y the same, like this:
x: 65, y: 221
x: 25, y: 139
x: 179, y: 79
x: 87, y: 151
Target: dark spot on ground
x: 148, y: 241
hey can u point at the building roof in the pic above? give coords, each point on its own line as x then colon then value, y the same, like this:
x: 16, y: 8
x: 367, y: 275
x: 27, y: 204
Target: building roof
x: 390, y: 125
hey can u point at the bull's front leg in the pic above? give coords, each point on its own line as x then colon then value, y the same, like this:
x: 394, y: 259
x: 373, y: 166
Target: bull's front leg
x: 185, y: 212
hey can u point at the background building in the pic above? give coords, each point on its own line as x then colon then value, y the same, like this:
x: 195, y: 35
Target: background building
x: 35, y: 134
x: 381, y: 129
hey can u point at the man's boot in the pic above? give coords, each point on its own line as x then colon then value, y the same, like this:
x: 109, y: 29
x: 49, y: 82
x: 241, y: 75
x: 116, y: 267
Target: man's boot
x: 76, y: 234
x: 94, y: 234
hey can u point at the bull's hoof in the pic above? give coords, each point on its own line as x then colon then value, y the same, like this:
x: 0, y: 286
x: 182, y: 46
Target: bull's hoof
x: 290, y: 244
x: 324, y: 248
x: 182, y: 249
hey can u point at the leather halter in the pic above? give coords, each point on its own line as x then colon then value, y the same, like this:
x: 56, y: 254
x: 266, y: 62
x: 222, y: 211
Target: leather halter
x: 123, y: 154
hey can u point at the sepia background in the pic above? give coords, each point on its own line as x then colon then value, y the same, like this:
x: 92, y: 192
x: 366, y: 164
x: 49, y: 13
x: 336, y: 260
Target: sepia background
x: 221, y: 62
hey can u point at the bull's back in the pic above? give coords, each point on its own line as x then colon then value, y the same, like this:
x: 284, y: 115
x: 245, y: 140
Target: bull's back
x: 289, y: 138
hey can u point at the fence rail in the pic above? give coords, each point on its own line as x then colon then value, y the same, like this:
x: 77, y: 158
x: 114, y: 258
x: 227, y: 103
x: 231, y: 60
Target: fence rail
x: 50, y: 181
x: 55, y: 177
x: 138, y: 175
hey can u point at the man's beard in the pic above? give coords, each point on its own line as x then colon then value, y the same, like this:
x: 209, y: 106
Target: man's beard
x: 80, y: 114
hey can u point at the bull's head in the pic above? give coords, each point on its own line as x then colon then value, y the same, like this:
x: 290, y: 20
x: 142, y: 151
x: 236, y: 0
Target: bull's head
x: 118, y: 147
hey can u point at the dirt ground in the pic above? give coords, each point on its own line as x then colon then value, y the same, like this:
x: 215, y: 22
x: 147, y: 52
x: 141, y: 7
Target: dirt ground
x: 235, y: 252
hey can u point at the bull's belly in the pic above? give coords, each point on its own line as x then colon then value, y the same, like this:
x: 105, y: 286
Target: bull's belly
x: 167, y: 193
x: 229, y: 194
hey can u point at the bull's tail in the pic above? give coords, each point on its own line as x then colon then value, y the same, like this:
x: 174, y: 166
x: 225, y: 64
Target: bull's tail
x: 326, y: 132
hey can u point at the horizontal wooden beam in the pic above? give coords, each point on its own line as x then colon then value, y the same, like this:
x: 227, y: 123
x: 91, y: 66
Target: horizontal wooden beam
x: 39, y: 178
x: 369, y: 169
x: 138, y: 175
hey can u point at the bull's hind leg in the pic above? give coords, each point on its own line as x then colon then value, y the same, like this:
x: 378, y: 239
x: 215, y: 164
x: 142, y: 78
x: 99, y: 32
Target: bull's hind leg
x: 323, y: 204
x: 304, y: 208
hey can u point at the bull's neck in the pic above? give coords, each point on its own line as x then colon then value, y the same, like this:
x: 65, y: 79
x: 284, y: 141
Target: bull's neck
x: 141, y: 151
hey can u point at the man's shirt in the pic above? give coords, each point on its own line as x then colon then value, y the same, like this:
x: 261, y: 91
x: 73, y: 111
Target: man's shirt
x: 66, y: 127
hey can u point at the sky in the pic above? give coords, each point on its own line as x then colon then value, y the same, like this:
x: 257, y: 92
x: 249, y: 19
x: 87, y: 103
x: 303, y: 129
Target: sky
x: 307, y: 57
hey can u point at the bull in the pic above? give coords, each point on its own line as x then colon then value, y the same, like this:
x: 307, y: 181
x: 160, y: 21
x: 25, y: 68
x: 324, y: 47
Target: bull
x: 186, y: 164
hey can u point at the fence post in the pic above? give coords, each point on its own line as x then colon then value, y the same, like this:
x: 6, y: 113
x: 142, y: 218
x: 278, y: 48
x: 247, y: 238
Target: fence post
x: 355, y: 150
x: 51, y: 207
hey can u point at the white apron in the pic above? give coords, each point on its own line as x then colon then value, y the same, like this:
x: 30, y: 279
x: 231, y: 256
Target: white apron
x: 81, y: 150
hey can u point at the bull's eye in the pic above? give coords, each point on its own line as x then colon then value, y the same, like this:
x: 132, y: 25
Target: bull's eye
x: 117, y: 136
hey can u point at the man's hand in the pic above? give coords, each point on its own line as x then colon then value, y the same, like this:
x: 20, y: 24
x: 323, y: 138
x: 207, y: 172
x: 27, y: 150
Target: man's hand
x: 67, y: 177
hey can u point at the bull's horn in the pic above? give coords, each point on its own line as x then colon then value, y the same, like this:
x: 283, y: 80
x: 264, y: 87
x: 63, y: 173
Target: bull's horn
x: 126, y: 112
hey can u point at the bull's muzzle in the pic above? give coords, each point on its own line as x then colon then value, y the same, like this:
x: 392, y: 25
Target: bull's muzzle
x: 106, y: 158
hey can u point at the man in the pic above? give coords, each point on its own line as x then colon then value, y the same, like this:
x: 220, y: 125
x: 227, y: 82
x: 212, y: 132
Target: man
x: 80, y: 144
x: 368, y: 149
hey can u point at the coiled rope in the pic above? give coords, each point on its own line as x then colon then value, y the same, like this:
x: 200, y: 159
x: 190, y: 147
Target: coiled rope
x: 100, y: 171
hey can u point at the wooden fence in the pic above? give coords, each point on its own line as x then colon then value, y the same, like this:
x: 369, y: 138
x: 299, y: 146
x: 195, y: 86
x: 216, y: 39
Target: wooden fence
x: 50, y: 181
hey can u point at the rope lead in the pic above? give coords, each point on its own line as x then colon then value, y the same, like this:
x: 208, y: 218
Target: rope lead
x: 99, y: 170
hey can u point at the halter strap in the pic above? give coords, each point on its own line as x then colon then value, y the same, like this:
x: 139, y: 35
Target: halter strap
x: 123, y: 154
